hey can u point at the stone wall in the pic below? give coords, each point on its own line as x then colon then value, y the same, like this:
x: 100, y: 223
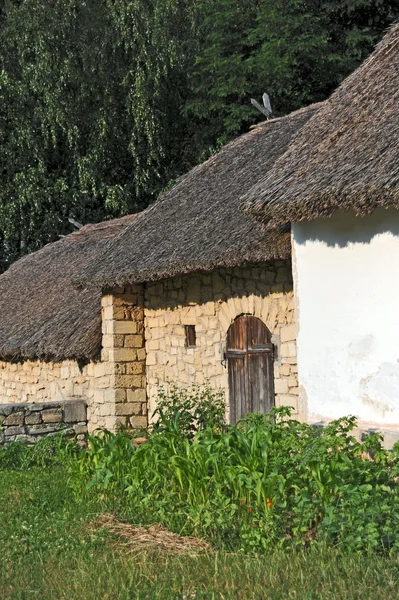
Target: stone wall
x: 121, y: 389
x: 211, y: 302
x: 31, y: 421
x: 144, y: 344
x: 113, y: 388
x: 37, y: 381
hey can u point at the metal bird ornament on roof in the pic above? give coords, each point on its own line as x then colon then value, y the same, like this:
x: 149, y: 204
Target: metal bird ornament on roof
x: 266, y: 109
x: 75, y: 223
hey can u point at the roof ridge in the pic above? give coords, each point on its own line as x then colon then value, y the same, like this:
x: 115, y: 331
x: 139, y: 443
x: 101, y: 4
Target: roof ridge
x: 333, y: 162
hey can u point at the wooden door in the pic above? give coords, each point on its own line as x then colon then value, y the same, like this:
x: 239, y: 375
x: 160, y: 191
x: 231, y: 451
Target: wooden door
x: 250, y: 364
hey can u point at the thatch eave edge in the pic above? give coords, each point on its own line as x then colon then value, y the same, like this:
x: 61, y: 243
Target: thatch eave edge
x: 177, y: 270
x: 363, y: 201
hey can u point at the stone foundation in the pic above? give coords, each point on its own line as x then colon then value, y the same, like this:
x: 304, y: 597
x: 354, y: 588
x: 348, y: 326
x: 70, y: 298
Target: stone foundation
x: 211, y: 302
x: 31, y: 421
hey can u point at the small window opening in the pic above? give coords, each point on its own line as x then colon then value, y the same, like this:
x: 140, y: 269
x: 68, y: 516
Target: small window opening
x: 191, y: 338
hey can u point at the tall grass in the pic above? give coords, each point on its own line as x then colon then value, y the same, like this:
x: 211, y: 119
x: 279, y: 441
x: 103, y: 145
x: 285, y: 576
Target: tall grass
x: 51, y: 450
x: 269, y: 482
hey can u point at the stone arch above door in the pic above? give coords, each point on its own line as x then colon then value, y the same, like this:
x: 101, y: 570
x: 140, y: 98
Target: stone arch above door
x: 263, y: 290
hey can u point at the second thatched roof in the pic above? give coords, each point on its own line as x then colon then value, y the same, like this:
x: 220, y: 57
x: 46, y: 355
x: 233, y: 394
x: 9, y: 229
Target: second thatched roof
x: 42, y: 314
x: 346, y: 156
x: 198, y: 225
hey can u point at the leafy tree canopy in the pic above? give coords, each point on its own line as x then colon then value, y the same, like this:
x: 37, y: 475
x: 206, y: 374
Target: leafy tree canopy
x: 296, y: 50
x: 90, y: 115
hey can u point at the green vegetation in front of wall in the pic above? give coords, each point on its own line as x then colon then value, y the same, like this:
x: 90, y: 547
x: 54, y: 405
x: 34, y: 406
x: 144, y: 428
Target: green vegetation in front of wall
x: 299, y: 511
x: 267, y: 483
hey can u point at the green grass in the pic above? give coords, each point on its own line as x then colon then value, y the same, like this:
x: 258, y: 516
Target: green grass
x: 50, y: 550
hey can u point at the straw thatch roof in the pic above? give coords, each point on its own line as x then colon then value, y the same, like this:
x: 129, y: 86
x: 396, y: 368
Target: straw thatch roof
x: 42, y: 314
x: 198, y: 225
x: 346, y: 156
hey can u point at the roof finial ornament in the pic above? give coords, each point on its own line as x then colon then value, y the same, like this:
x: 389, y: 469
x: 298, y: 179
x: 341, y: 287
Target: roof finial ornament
x: 266, y: 109
x: 75, y: 223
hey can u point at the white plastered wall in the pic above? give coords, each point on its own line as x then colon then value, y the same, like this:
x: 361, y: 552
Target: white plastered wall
x: 346, y: 282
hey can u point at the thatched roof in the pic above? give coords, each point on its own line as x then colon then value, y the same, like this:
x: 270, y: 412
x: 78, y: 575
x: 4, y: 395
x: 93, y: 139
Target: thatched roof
x: 346, y: 156
x: 42, y: 314
x: 197, y: 224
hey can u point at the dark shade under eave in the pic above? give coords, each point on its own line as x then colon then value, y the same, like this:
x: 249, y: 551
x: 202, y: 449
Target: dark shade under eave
x: 42, y: 314
x: 346, y: 156
x: 198, y: 225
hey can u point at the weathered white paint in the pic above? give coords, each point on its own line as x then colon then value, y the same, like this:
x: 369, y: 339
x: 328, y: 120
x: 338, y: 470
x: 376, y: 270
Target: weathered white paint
x: 346, y: 281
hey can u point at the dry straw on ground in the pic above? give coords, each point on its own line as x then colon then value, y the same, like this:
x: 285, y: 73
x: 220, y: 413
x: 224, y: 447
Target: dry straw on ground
x: 154, y: 537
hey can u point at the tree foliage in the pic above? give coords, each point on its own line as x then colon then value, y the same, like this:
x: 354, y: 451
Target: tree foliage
x: 90, y: 110
x: 296, y: 50
x: 103, y: 102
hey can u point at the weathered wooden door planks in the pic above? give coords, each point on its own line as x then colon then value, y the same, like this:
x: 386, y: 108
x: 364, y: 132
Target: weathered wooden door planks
x: 250, y: 365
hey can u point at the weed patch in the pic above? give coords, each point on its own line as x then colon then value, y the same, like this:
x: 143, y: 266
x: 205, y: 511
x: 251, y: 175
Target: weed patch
x: 267, y: 483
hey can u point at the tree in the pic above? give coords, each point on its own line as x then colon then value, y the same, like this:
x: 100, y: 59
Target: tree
x: 296, y: 50
x: 90, y: 119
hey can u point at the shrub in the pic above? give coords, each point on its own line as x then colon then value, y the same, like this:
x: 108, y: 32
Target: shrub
x: 190, y: 409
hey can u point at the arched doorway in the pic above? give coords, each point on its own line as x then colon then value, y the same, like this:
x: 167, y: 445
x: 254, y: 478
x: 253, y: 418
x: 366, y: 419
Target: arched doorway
x: 250, y: 364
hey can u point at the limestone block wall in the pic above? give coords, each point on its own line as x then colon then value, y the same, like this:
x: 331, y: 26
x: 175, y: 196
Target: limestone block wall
x: 121, y: 386
x: 211, y: 302
x: 113, y: 388
x: 144, y: 344
x: 36, y: 381
x: 99, y: 384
